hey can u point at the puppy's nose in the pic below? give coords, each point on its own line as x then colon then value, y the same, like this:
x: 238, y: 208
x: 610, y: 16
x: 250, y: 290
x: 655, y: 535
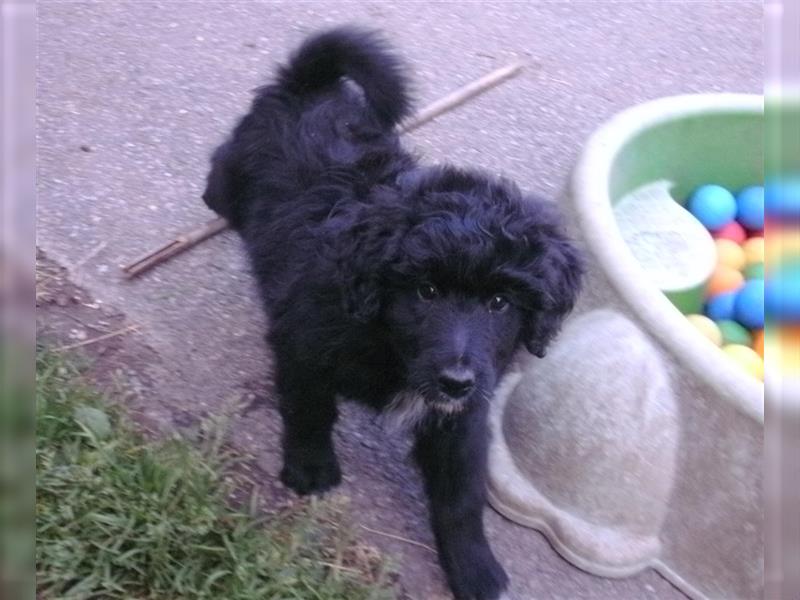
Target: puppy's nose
x: 456, y: 382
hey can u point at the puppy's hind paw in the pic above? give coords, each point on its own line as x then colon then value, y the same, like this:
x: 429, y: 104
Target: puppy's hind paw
x: 311, y: 476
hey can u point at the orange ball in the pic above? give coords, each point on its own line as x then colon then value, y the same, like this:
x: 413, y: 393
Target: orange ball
x: 724, y: 279
x: 758, y: 342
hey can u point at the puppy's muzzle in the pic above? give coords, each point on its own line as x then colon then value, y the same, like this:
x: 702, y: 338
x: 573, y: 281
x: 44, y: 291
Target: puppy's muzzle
x: 456, y: 382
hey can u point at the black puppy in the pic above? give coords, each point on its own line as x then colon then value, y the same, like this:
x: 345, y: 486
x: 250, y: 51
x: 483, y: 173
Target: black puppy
x: 403, y: 287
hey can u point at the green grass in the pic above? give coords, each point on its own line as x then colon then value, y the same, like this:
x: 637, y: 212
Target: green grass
x: 120, y: 516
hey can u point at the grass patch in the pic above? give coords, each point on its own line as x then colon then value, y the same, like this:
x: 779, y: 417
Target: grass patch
x: 119, y: 516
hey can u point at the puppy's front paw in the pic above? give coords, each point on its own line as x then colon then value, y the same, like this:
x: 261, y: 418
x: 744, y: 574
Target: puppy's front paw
x: 311, y: 474
x: 485, y: 580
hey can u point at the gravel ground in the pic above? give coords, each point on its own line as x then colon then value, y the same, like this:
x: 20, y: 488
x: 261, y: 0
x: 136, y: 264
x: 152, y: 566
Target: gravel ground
x: 133, y: 96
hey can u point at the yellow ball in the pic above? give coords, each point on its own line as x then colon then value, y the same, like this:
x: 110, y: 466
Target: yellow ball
x: 730, y: 254
x: 783, y: 345
x: 707, y: 327
x: 754, y: 250
x: 782, y: 242
x: 747, y: 358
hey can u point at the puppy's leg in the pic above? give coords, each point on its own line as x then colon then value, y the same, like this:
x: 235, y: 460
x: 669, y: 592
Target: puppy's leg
x: 452, y: 457
x: 309, y: 412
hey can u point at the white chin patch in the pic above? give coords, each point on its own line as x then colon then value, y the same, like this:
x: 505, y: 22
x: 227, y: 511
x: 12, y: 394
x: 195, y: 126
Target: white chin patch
x: 408, y: 409
x: 448, y: 407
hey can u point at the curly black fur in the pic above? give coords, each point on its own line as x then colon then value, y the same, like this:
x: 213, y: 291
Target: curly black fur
x: 408, y: 288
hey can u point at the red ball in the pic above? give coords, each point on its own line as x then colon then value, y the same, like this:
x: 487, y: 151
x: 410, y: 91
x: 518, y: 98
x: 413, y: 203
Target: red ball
x: 732, y: 231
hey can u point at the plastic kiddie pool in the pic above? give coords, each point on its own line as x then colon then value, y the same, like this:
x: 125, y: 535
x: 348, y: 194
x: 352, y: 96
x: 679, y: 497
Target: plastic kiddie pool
x: 689, y: 140
x: 636, y: 442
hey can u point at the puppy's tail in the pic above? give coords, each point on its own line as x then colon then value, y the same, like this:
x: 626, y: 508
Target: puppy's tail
x: 355, y: 53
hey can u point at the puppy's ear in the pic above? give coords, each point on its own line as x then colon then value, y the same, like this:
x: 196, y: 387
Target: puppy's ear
x: 558, y: 273
x: 366, y: 243
x: 223, y: 186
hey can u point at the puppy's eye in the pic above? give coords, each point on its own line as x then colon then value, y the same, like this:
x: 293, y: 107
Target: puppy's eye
x: 427, y: 291
x: 498, y: 303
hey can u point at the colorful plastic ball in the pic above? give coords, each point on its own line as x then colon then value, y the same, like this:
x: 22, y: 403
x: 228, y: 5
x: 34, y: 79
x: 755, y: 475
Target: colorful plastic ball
x: 783, y: 293
x: 758, y: 342
x: 732, y: 231
x: 754, y: 271
x: 724, y: 279
x: 746, y: 358
x: 782, y: 197
x: 733, y: 333
x: 707, y: 327
x: 784, y: 341
x: 781, y: 241
x: 730, y: 253
x: 749, y: 304
x: 720, y: 307
x: 713, y: 206
x: 750, y: 207
x: 753, y: 250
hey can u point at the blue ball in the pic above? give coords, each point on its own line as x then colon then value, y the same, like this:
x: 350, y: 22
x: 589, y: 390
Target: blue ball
x: 782, y: 294
x: 750, y: 207
x: 749, y: 304
x: 721, y: 306
x: 782, y: 197
x: 713, y: 206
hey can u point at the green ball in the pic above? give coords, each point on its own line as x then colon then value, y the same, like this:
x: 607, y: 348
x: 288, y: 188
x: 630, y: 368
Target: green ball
x: 733, y: 333
x: 754, y: 271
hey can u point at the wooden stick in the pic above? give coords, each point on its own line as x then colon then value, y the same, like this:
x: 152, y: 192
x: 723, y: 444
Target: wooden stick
x: 180, y: 244
x: 191, y: 238
x: 461, y: 95
x: 336, y: 567
x: 399, y: 538
x: 99, y: 338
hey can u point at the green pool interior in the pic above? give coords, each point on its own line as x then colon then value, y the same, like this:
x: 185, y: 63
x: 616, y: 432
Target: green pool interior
x: 723, y: 148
